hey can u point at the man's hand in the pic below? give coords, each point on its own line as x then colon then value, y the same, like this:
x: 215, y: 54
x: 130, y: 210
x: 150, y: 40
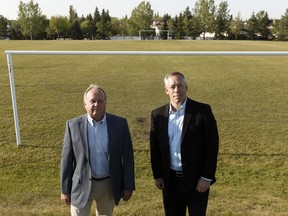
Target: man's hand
x: 159, y: 182
x: 66, y: 198
x: 202, y: 185
x: 126, y: 195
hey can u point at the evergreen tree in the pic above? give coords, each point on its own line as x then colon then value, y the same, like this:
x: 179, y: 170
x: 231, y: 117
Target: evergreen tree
x: 187, y: 23
x: 4, y: 30
x: 96, y: 19
x: 222, y: 22
x: 264, y: 25
x: 281, y: 27
x: 252, y: 27
x: 104, y: 26
x: 75, y: 31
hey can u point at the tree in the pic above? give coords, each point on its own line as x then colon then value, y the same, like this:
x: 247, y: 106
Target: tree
x: 16, y: 33
x: 59, y: 26
x: 141, y: 18
x: 31, y: 21
x: 187, y: 22
x: 4, y: 30
x: 72, y: 14
x: 119, y: 27
x: 236, y: 27
x: 281, y: 27
x: 88, y: 27
x: 264, y: 25
x: 166, y: 19
x: 204, y: 12
x: 75, y: 32
x: 252, y: 27
x: 178, y: 27
x: 222, y: 21
x: 259, y: 26
x: 104, y: 26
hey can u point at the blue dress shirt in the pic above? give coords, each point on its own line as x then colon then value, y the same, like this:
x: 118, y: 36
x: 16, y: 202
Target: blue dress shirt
x: 98, y: 147
x: 175, y: 126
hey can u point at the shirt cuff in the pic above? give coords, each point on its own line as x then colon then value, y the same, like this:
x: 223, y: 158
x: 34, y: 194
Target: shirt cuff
x: 210, y: 180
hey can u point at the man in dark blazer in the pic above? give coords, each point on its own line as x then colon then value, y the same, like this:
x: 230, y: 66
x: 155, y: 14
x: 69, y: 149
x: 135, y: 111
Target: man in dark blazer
x: 184, y: 146
x: 97, y: 158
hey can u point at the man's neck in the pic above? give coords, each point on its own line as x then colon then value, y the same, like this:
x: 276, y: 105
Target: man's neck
x: 176, y: 106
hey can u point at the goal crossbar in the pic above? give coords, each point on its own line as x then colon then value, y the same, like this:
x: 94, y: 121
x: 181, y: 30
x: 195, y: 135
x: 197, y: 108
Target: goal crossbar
x: 9, y: 54
x: 197, y: 53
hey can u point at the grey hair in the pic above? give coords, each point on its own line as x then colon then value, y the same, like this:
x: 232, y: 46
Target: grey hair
x: 175, y: 73
x: 93, y: 86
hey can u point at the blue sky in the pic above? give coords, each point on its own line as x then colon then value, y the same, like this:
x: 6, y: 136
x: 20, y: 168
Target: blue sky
x: 275, y: 8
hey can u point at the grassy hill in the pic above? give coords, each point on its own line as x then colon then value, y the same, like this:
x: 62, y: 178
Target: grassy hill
x: 248, y: 95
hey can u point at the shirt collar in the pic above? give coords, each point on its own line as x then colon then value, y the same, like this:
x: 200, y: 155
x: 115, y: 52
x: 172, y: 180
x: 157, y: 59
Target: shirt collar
x: 182, y: 108
x: 90, y: 120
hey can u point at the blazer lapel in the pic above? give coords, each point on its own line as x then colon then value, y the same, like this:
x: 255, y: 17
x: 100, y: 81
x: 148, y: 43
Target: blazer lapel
x: 164, y: 125
x: 84, y: 134
x: 187, y: 117
x: 111, y: 132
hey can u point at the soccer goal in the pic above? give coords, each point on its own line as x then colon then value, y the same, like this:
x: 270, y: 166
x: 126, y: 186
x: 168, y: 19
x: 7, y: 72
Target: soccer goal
x: 10, y: 53
x: 154, y: 34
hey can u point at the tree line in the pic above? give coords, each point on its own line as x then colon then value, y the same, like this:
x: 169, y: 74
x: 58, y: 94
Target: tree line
x: 205, y: 17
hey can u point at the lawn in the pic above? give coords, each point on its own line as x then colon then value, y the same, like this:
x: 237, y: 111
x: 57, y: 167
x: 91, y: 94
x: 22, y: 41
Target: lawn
x: 248, y: 95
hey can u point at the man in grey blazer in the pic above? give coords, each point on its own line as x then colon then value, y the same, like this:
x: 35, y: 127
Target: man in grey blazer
x: 97, y: 158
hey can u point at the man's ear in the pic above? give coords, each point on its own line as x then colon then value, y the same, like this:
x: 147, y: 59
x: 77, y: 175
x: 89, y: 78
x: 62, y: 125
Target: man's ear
x: 166, y: 90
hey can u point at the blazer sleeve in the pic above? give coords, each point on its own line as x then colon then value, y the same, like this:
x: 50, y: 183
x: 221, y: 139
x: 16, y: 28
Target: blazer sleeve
x: 211, y: 145
x: 158, y: 154
x: 154, y: 149
x: 128, y: 160
x: 66, y: 167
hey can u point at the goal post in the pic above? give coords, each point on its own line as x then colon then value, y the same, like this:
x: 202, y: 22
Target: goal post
x: 9, y: 54
x: 141, y: 31
x: 157, y: 33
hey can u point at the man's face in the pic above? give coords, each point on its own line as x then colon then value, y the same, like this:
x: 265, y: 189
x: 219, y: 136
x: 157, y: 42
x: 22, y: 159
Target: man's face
x: 95, y: 104
x: 176, y: 88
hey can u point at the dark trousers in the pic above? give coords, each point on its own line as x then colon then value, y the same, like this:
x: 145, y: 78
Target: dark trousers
x: 181, y: 195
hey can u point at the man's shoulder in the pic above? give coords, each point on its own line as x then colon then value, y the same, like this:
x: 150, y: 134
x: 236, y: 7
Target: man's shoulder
x: 198, y: 103
x: 78, y: 118
x: 197, y: 106
x: 115, y: 117
x: 161, y: 109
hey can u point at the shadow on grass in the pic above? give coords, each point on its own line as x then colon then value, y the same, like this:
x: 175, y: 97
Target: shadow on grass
x: 255, y: 154
x: 39, y: 146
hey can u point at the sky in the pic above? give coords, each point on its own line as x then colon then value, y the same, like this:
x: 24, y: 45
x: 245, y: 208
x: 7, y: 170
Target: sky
x: 275, y: 8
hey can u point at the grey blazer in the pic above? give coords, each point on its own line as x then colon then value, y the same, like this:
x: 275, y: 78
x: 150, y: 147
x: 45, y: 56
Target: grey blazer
x: 75, y: 171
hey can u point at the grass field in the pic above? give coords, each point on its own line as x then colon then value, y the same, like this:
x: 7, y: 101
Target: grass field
x: 248, y: 95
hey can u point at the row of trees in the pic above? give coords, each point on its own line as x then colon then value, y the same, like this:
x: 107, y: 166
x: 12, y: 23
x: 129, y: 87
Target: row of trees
x: 191, y: 23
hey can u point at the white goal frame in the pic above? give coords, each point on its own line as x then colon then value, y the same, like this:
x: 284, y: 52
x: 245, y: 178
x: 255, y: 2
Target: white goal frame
x: 9, y: 54
x: 168, y: 35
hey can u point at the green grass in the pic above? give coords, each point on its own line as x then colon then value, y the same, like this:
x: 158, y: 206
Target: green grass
x: 248, y: 95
